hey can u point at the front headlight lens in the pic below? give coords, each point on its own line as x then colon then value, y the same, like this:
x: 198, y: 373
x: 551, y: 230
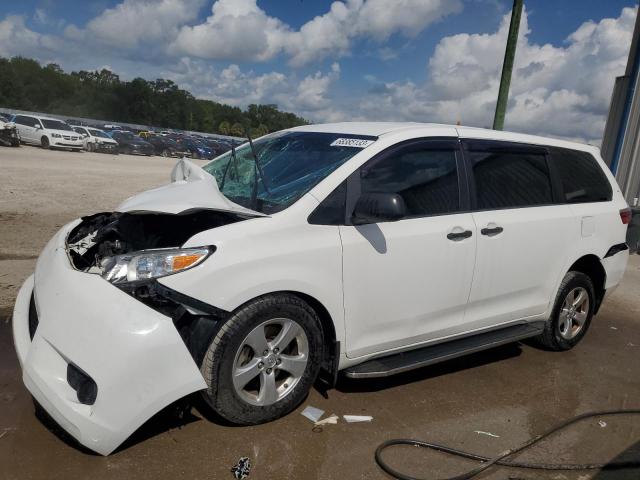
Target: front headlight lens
x: 56, y: 135
x: 150, y: 264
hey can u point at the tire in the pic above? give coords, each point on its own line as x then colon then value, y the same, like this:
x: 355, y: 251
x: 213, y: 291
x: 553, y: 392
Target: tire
x: 555, y: 336
x: 44, y: 142
x: 165, y: 153
x: 229, y: 352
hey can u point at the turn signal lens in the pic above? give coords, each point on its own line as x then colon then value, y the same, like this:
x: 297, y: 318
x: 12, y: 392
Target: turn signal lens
x: 184, y: 261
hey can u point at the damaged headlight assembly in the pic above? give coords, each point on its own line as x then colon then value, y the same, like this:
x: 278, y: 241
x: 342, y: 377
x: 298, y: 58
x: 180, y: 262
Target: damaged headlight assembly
x: 134, y: 267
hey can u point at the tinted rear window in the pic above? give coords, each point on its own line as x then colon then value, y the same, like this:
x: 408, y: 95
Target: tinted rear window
x: 582, y: 178
x: 506, y: 179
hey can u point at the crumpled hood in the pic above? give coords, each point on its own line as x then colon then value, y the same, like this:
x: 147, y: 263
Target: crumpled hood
x: 191, y: 187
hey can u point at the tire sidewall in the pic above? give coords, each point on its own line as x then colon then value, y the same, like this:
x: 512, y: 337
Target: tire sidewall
x: 218, y: 363
x: 571, y: 281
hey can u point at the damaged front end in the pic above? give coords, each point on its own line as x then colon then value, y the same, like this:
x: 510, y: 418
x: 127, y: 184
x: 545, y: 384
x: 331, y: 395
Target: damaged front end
x: 131, y: 250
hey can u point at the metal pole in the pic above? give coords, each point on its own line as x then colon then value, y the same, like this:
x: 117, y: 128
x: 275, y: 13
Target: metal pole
x: 507, y: 66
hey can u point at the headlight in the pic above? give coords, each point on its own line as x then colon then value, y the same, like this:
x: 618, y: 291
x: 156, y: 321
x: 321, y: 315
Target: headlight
x: 56, y: 135
x: 150, y: 264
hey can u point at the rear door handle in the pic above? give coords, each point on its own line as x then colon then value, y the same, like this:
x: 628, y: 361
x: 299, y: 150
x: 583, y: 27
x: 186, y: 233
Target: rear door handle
x: 459, y: 235
x: 490, y: 232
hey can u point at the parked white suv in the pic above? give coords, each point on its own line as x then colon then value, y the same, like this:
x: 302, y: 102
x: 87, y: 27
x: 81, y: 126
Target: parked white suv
x: 47, y: 132
x: 366, y: 248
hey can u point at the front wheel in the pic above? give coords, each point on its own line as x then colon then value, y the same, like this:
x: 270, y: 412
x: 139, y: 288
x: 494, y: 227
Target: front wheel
x: 263, y: 360
x: 44, y: 141
x: 572, y: 313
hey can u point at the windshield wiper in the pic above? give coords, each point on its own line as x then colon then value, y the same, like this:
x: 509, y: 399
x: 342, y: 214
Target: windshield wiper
x: 235, y: 163
x: 257, y: 163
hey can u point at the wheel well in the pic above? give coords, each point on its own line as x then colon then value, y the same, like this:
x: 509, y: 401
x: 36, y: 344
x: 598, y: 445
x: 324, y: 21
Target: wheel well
x: 591, y: 266
x: 331, y: 356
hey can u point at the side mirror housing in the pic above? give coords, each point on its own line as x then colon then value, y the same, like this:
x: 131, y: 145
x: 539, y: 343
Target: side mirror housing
x: 37, y: 126
x: 378, y: 207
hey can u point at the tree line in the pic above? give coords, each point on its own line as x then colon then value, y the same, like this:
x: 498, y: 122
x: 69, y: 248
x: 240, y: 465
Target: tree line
x: 27, y: 85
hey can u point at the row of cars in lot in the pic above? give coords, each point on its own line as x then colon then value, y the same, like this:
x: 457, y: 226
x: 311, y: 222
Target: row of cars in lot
x: 52, y: 133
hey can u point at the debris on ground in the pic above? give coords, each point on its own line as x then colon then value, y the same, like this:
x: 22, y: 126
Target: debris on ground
x: 613, y: 328
x: 333, y: 419
x: 602, y: 423
x: 489, y: 434
x: 241, y: 469
x: 312, y: 413
x: 357, y: 418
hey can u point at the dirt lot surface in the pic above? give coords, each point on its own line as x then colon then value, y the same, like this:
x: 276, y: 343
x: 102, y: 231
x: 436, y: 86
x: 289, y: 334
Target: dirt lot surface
x: 513, y: 392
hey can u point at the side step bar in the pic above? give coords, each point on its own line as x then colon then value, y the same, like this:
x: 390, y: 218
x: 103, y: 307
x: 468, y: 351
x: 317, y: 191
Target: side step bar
x: 405, y: 361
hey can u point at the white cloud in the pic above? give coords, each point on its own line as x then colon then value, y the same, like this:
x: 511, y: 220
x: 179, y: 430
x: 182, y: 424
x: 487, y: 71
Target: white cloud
x: 309, y: 96
x: 241, y: 30
x: 133, y: 23
x: 17, y: 39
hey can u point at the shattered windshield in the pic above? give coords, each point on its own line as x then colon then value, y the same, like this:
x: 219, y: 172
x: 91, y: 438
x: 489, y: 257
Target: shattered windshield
x: 289, y: 165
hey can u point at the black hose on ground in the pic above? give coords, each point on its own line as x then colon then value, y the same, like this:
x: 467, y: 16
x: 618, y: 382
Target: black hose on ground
x: 500, y: 459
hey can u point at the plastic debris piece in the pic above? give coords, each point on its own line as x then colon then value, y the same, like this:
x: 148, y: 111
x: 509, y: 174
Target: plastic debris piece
x: 333, y: 419
x: 613, y: 328
x: 602, y: 423
x: 489, y: 434
x: 357, y: 418
x: 241, y: 469
x: 312, y: 413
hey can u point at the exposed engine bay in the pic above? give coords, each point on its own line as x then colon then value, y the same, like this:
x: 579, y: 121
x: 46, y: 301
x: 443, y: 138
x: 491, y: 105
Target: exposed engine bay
x: 107, y: 234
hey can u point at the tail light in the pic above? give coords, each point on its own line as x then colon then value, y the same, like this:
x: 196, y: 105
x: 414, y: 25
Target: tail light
x: 625, y: 216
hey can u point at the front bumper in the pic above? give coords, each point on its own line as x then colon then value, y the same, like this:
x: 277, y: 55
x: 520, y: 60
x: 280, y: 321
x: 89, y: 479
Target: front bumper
x: 133, y: 353
x: 64, y: 143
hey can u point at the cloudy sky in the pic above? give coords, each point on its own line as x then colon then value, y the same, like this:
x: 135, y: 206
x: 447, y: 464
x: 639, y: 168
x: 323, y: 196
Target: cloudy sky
x: 415, y: 60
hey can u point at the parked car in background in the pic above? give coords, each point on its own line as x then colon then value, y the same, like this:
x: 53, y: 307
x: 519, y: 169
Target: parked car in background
x: 196, y: 148
x: 166, y: 146
x: 47, y: 132
x: 9, y: 136
x: 96, y: 140
x: 218, y: 147
x: 130, y: 143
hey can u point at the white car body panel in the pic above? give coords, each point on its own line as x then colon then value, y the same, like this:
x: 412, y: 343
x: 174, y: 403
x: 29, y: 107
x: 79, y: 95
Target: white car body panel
x: 386, y: 287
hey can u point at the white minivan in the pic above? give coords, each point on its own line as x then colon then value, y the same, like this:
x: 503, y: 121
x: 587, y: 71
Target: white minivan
x: 47, y: 132
x: 362, y: 248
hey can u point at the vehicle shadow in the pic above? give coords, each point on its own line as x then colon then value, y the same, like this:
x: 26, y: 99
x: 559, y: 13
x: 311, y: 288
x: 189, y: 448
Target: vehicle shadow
x: 351, y: 385
x: 630, y: 455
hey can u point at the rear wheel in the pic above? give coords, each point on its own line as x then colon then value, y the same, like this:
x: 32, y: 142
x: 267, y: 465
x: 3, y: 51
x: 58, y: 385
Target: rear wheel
x: 44, y: 141
x: 165, y: 153
x: 263, y: 360
x: 572, y: 313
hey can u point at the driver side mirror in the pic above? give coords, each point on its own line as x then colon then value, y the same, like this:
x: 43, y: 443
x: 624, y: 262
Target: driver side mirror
x: 378, y: 207
x: 37, y: 126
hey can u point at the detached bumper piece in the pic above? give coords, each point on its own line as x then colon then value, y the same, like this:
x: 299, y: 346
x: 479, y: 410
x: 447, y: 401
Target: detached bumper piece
x: 98, y: 361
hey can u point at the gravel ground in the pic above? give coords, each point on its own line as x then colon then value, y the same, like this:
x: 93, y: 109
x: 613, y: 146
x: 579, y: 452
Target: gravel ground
x: 513, y: 392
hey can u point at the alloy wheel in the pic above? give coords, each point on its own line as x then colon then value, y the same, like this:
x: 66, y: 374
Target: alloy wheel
x: 574, y: 312
x: 270, y: 362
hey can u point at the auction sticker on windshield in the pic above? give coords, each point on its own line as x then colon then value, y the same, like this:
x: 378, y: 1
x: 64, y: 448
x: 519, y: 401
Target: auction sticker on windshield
x: 351, y: 142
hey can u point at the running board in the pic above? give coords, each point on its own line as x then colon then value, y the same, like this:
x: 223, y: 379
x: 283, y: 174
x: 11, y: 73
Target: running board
x: 405, y: 361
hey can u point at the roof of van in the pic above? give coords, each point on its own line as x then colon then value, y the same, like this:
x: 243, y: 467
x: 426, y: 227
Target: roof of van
x: 378, y: 129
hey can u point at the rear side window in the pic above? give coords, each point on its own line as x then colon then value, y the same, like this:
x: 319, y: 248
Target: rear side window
x: 425, y: 177
x: 505, y: 179
x: 582, y: 178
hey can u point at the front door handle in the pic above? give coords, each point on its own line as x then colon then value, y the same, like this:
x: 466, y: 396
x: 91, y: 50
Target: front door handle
x: 490, y: 232
x: 459, y: 235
